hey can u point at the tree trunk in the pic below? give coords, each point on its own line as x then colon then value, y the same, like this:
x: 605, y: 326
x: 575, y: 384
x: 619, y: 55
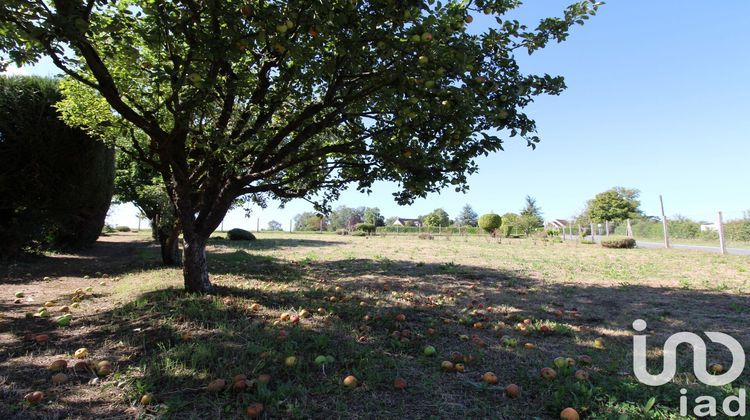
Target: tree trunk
x: 195, y: 266
x: 170, y: 245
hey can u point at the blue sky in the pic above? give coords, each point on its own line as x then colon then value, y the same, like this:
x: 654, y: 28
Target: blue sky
x: 658, y: 99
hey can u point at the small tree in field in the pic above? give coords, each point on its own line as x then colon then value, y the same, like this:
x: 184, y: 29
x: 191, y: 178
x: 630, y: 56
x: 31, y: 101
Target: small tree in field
x: 467, y: 217
x: 437, y: 217
x: 274, y: 226
x: 489, y: 222
x: 284, y: 100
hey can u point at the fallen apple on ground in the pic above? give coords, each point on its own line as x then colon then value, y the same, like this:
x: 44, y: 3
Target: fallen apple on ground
x: 216, y: 385
x: 146, y: 399
x: 569, y: 414
x: 104, y: 368
x: 264, y: 378
x: 58, y: 365
x: 399, y: 383
x: 489, y: 378
x: 512, y: 391
x: 34, y: 397
x: 59, y: 378
x: 599, y: 343
x: 548, y: 373
x: 350, y: 381
x: 254, y: 410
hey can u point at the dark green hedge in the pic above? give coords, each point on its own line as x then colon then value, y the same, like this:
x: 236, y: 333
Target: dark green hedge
x: 625, y: 243
x: 55, y: 180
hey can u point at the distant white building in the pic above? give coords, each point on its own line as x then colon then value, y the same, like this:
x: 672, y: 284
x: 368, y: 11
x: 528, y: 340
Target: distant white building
x: 710, y: 228
x: 556, y: 224
x: 400, y: 221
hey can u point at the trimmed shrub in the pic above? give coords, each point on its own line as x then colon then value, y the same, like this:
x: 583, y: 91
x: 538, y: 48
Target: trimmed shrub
x: 122, y: 229
x: 342, y: 232
x: 365, y: 227
x: 622, y: 243
x: 489, y: 222
x: 240, y: 235
x: 55, y: 181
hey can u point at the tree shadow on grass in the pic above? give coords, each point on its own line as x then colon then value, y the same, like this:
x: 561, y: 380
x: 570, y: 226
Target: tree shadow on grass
x: 109, y: 257
x: 177, y: 342
x: 264, y: 244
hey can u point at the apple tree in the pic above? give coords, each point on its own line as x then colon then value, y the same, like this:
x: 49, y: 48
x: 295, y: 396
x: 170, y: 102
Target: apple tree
x: 294, y: 99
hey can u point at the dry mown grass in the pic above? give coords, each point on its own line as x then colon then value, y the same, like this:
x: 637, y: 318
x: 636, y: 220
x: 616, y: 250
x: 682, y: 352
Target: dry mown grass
x: 171, y: 344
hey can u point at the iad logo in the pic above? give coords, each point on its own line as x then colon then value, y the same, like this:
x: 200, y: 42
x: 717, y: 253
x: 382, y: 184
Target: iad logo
x: 705, y: 405
x: 699, y: 357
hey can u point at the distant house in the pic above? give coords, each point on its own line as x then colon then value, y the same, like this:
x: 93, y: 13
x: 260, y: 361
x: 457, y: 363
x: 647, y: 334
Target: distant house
x: 400, y: 221
x: 712, y: 227
x: 557, y: 224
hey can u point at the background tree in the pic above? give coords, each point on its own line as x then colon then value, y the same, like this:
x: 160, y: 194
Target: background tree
x: 310, y: 221
x: 510, y: 222
x: 141, y: 185
x: 437, y: 217
x: 612, y: 205
x: 291, y: 100
x: 373, y: 217
x: 344, y: 217
x: 530, y: 218
x: 55, y: 180
x: 489, y: 222
x: 274, y: 226
x: 467, y: 217
x: 390, y: 221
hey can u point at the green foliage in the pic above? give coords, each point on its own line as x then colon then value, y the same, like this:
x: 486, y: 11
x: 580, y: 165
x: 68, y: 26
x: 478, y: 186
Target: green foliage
x: 344, y: 217
x: 489, y: 222
x: 365, y: 227
x: 467, y: 217
x: 615, y: 204
x: 615, y: 242
x: 309, y: 221
x: 437, y: 217
x: 240, y: 235
x: 737, y: 230
x: 274, y: 226
x: 530, y: 218
x: 372, y: 216
x: 292, y: 102
x: 55, y: 181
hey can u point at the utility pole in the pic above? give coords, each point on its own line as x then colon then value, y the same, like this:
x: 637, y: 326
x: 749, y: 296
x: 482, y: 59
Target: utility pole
x: 664, y: 222
x: 257, y: 225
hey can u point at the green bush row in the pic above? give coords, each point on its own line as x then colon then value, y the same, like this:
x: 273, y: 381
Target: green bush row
x: 614, y: 242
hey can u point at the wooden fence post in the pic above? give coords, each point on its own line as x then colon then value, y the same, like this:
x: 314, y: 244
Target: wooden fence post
x: 664, y: 223
x: 722, y: 242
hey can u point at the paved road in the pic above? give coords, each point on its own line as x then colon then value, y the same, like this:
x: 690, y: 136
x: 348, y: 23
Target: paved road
x: 733, y: 251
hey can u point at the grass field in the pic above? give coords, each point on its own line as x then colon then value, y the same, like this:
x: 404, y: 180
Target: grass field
x: 508, y: 307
